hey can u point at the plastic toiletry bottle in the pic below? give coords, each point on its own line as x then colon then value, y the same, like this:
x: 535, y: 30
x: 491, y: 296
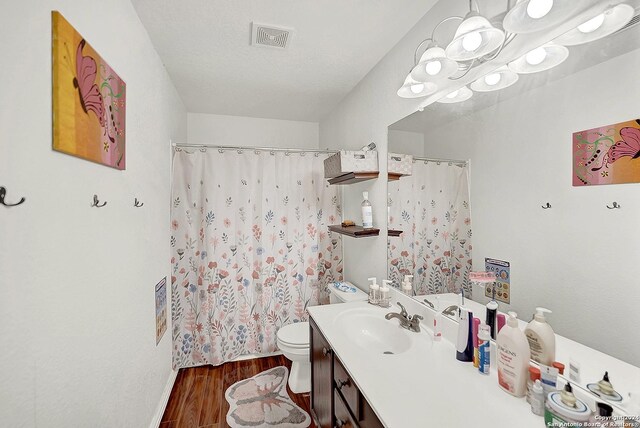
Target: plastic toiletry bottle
x: 367, y: 212
x: 562, y: 408
x: 476, y: 352
x: 542, y: 339
x: 534, y: 374
x: 549, y: 378
x: 484, y: 349
x: 437, y: 332
x: 492, y: 311
x: 464, y: 344
x: 374, y: 291
x: 502, y: 320
x: 385, y: 299
x: 537, y: 398
x: 406, y: 285
x: 513, y: 357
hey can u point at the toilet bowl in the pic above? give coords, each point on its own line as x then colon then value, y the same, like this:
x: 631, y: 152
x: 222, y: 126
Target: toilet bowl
x: 293, y: 341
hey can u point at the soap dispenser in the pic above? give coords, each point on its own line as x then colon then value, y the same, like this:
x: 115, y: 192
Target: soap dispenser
x: 542, y: 339
x: 374, y: 291
x: 407, y: 288
x: 385, y: 298
x: 464, y: 344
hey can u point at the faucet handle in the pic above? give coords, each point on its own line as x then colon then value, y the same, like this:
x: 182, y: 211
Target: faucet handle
x: 403, y: 311
x: 416, y: 316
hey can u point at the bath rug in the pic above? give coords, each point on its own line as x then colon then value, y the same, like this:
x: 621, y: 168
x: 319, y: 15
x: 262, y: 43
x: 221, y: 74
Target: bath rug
x: 262, y: 401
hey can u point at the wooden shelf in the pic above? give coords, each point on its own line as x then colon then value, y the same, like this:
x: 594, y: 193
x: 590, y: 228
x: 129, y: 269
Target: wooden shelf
x: 354, y: 231
x: 393, y: 177
x: 353, y: 177
x: 393, y: 232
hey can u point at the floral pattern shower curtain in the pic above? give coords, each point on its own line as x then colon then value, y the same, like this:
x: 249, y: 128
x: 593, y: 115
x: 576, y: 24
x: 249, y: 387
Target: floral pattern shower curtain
x: 250, y: 249
x: 431, y: 207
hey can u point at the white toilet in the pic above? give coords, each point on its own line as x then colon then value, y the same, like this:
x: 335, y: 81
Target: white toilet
x: 293, y: 341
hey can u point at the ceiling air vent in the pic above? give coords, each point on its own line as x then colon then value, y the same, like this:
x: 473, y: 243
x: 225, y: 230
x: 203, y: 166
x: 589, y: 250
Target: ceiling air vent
x: 270, y: 36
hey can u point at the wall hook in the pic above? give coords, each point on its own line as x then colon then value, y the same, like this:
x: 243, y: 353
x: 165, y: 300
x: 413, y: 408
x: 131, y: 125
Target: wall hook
x: 96, y: 202
x: 3, y: 192
x: 547, y: 206
x: 615, y: 205
x: 137, y: 203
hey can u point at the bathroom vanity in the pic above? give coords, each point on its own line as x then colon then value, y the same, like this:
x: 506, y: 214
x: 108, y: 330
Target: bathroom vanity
x: 369, y: 372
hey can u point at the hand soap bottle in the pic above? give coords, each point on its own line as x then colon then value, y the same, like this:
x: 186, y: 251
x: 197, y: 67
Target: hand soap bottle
x: 367, y: 212
x: 464, y: 344
x: 542, y: 339
x: 513, y: 357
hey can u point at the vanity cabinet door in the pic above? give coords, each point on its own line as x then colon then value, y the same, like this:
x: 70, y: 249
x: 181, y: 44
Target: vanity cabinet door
x: 347, y: 388
x: 321, y: 378
x: 343, y: 418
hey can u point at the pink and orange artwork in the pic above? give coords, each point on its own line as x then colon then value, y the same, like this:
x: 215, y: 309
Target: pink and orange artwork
x: 89, y: 100
x: 607, y: 155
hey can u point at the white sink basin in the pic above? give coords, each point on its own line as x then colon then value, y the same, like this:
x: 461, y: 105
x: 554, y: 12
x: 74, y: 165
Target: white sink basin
x: 369, y: 330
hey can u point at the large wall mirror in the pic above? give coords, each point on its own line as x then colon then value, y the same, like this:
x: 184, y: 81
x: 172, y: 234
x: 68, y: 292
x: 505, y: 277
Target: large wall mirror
x: 492, y: 179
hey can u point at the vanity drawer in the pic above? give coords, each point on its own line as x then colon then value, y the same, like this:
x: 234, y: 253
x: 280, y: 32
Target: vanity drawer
x: 347, y: 388
x: 342, y: 415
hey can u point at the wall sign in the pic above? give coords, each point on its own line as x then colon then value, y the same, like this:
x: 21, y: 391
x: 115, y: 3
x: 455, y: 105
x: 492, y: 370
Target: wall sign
x: 89, y: 100
x: 502, y: 270
x: 607, y: 155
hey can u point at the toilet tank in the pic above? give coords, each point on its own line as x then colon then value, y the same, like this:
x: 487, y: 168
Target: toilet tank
x: 338, y: 296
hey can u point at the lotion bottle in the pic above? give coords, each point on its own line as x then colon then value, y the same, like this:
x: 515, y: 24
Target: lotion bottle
x: 367, y: 212
x: 513, y: 357
x: 542, y: 339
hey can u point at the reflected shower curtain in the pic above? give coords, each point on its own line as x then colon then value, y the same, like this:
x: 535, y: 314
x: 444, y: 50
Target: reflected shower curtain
x: 250, y: 249
x: 431, y: 207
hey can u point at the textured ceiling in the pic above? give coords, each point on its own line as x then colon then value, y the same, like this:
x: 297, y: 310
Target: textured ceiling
x: 205, y: 45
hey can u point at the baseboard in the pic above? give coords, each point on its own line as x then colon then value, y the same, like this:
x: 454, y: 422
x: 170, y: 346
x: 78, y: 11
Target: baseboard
x: 164, y: 399
x: 254, y: 356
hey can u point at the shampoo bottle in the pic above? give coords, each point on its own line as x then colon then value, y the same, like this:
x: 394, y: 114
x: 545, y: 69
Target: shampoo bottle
x: 542, y: 339
x: 367, y: 212
x: 513, y: 358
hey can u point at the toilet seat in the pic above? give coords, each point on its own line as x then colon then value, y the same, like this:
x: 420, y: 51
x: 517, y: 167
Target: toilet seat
x: 294, y: 335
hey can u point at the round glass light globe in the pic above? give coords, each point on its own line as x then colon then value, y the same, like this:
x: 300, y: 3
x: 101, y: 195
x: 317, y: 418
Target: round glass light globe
x: 453, y: 94
x: 471, y: 42
x: 492, y: 79
x: 536, y: 56
x: 536, y: 9
x: 417, y: 88
x: 433, y: 67
x: 592, y: 25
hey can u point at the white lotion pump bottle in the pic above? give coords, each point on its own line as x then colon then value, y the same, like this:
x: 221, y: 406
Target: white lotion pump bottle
x: 542, y: 339
x: 513, y: 357
x: 367, y: 212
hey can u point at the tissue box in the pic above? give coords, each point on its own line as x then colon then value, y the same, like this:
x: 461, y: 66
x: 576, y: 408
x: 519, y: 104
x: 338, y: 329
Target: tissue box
x: 399, y: 164
x: 346, y: 161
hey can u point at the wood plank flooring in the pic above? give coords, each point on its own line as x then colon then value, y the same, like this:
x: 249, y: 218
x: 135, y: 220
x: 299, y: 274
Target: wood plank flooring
x: 197, y: 398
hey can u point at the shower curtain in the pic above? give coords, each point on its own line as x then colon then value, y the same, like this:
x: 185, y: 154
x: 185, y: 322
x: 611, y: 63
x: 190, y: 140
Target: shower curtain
x: 250, y: 249
x: 431, y: 207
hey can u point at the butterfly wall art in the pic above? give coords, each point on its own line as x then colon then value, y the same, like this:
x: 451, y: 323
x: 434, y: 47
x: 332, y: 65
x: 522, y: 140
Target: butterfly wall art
x: 89, y: 100
x: 607, y: 155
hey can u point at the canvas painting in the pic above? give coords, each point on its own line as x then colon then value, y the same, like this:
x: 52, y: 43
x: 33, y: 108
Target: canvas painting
x: 607, y: 155
x: 89, y: 100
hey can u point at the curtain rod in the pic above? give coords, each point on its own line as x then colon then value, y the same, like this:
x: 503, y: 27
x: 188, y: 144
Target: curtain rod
x: 458, y: 161
x: 264, y: 149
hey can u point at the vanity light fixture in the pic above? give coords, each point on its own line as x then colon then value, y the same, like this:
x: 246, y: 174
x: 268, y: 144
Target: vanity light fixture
x: 542, y: 58
x: 601, y: 25
x: 414, y: 89
x: 529, y: 16
x: 474, y: 38
x: 457, y: 96
x: 501, y: 78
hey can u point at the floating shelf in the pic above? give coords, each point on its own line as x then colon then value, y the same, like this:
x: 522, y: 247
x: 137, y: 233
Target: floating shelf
x: 354, y: 231
x: 393, y: 176
x: 393, y: 232
x: 353, y: 177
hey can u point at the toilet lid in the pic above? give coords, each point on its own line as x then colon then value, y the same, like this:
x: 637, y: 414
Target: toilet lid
x: 296, y: 334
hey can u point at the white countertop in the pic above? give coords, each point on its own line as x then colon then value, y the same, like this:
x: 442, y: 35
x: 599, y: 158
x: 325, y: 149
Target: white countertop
x: 425, y: 386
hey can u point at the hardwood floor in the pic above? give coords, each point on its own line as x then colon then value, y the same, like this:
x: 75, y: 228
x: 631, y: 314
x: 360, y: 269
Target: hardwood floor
x: 197, y: 398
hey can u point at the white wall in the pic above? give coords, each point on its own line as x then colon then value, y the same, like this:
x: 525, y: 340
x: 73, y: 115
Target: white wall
x: 577, y: 258
x: 77, y: 310
x: 251, y: 131
x: 410, y: 143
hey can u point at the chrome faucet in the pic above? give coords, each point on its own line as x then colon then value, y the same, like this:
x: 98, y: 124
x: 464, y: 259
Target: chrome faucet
x: 429, y: 304
x: 450, y: 310
x: 411, y: 323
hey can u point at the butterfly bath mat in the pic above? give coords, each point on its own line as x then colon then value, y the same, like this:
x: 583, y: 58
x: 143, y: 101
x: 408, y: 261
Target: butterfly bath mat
x: 262, y: 401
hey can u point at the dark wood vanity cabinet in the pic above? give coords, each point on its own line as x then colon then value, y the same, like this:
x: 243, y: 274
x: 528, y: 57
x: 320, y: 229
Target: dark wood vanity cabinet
x: 336, y: 401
